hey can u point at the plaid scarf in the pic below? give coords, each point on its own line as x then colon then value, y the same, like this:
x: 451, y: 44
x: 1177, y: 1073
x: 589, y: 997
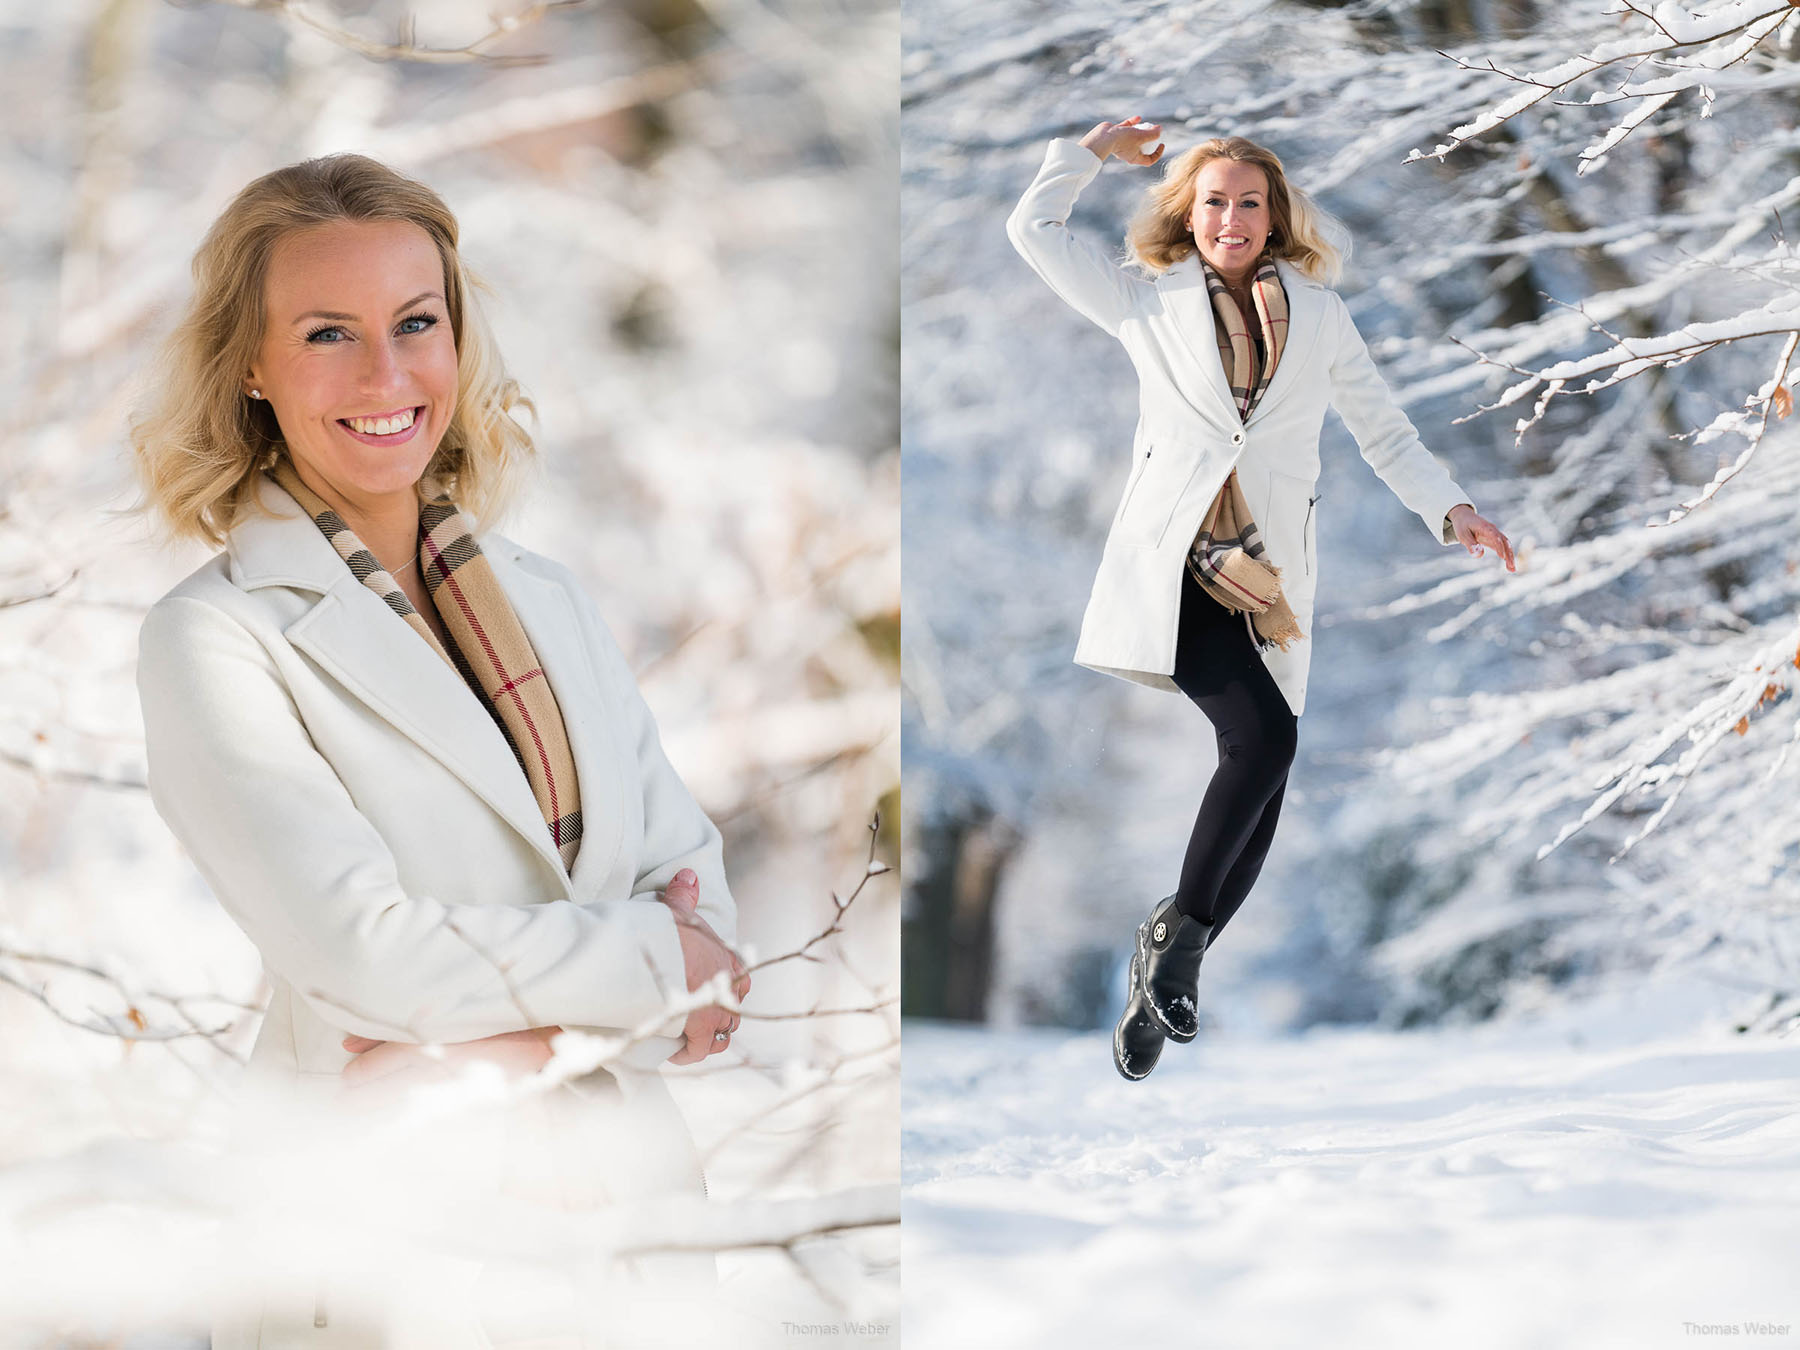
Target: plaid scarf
x: 486, y: 641
x: 1227, y: 556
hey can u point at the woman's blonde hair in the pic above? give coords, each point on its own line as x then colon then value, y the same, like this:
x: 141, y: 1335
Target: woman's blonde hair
x: 200, y: 441
x: 1159, y: 236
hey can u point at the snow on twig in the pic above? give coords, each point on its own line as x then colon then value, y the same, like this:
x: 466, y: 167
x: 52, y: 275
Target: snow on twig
x: 1721, y: 37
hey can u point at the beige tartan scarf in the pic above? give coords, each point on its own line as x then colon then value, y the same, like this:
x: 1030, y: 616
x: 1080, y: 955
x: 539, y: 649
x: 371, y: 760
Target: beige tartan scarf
x: 489, y: 647
x: 1227, y: 556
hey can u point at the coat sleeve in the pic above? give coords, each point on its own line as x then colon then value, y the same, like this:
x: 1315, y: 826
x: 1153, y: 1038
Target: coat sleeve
x: 677, y: 832
x: 310, y: 881
x: 1386, y: 436
x: 1075, y: 268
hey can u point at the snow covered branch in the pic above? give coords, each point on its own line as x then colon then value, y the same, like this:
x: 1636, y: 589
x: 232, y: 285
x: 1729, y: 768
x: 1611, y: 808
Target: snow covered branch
x: 1631, y: 356
x: 1695, y: 46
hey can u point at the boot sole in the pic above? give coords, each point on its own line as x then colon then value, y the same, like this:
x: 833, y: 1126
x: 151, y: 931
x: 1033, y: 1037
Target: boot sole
x: 1132, y: 998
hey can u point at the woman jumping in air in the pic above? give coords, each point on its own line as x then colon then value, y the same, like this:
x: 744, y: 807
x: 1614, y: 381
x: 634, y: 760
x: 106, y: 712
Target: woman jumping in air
x: 1207, y: 580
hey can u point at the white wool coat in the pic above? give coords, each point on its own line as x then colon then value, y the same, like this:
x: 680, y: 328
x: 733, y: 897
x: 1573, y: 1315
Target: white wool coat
x: 1189, y: 434
x: 360, y: 816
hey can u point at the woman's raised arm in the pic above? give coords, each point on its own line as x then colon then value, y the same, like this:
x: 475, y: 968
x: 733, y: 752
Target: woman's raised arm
x: 1075, y: 268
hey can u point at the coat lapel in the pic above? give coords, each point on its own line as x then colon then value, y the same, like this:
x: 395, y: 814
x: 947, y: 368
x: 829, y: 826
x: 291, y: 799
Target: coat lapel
x: 375, y: 655
x: 1188, y: 304
x: 548, y: 616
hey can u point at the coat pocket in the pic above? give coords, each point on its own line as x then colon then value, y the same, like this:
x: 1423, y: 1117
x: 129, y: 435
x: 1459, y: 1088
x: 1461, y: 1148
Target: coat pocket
x: 1312, y: 532
x: 1291, y: 530
x: 1150, y: 496
x: 1139, y: 467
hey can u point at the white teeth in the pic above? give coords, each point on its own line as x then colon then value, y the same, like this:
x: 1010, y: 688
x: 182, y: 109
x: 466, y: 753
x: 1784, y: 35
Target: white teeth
x: 381, y: 426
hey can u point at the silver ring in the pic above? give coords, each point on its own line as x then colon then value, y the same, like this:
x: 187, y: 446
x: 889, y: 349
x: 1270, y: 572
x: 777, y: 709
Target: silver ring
x: 721, y: 1035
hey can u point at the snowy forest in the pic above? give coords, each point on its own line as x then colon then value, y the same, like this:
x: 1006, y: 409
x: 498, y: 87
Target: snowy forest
x: 685, y: 215
x: 1509, y: 1005
x: 1570, y: 258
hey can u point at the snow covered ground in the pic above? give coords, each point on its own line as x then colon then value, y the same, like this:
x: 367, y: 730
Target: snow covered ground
x: 1623, y: 1172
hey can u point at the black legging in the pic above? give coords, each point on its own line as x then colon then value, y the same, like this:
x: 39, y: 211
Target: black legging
x: 1217, y: 666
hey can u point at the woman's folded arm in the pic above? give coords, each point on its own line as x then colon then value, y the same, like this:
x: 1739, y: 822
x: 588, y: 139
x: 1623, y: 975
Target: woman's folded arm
x: 307, y: 877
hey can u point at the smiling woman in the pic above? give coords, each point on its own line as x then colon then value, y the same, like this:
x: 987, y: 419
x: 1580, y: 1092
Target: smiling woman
x: 1210, y: 569
x: 410, y: 760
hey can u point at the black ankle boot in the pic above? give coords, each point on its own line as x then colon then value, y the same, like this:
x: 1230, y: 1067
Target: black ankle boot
x: 1169, y: 946
x: 1138, y: 1038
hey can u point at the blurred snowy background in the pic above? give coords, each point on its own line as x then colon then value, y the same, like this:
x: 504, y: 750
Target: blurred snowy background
x: 1546, y: 821
x: 686, y: 210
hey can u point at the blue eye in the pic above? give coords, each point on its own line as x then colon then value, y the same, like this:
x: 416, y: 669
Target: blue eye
x: 429, y: 320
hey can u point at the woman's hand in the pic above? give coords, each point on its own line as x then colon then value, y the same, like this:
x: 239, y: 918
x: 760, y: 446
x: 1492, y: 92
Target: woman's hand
x: 396, y: 1064
x: 1472, y: 531
x: 705, y: 955
x: 1129, y: 140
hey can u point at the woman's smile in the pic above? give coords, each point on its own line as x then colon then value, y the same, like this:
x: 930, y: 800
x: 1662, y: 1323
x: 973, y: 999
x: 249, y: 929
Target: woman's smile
x: 394, y: 428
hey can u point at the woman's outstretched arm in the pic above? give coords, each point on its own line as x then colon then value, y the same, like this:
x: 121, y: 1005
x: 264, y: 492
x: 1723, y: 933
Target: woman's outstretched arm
x: 1386, y: 436
x: 1075, y: 268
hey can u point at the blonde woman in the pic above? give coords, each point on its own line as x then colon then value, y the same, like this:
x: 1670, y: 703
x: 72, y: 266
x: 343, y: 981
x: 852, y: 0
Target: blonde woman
x: 1207, y: 580
x: 404, y: 751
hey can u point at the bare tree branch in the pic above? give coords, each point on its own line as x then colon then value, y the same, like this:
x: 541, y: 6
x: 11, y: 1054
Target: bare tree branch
x: 132, y: 1024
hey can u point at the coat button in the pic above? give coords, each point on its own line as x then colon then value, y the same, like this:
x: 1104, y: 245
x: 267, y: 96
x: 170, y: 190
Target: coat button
x: 1237, y: 438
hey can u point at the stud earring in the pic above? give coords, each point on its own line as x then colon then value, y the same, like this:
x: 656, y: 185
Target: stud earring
x: 256, y: 393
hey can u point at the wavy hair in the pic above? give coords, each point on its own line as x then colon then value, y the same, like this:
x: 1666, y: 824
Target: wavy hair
x: 199, y: 442
x: 1159, y: 237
